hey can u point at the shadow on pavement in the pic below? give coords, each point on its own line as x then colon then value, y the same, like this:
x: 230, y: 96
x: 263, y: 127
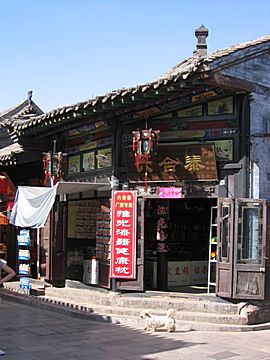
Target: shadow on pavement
x: 33, y: 332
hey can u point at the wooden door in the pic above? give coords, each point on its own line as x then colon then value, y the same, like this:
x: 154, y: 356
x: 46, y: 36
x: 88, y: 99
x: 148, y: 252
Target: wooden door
x: 249, y: 249
x: 138, y: 283
x: 58, y: 245
x: 224, y: 269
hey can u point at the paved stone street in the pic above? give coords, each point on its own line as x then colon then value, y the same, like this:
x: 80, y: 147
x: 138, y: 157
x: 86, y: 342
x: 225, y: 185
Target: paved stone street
x: 35, y: 333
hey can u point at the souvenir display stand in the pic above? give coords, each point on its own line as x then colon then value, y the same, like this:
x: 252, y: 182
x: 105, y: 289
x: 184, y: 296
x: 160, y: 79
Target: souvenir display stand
x: 24, y: 259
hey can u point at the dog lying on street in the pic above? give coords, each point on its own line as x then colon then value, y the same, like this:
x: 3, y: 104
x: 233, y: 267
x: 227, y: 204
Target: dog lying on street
x: 154, y: 322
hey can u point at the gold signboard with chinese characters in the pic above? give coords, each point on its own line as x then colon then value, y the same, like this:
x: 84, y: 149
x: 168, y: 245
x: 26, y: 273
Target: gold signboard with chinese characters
x: 192, y: 162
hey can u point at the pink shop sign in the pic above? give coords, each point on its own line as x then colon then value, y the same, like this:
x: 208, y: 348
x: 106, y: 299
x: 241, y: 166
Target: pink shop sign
x: 170, y: 192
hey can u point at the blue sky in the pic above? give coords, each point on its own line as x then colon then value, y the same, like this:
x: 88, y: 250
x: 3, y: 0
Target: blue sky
x: 67, y: 51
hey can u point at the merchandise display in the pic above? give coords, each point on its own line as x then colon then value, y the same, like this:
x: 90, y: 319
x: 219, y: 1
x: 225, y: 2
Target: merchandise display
x: 24, y: 258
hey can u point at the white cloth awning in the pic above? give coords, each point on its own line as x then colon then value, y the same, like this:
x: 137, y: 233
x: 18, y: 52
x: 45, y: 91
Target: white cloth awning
x: 33, y: 204
x: 71, y: 187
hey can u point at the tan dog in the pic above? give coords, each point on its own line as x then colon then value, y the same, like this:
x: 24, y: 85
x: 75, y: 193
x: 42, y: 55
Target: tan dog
x: 154, y: 322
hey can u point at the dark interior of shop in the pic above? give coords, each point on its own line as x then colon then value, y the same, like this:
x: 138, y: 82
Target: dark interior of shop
x: 187, y: 243
x: 78, y: 250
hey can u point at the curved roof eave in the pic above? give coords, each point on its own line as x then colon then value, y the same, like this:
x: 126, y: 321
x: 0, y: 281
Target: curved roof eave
x: 181, y: 71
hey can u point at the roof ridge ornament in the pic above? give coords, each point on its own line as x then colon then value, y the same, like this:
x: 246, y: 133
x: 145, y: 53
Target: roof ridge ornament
x: 201, y: 33
x: 30, y: 94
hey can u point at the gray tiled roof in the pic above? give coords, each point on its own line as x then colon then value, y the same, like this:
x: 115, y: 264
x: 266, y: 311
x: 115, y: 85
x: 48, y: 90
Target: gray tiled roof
x: 22, y: 112
x: 186, y: 67
x: 7, y: 152
x: 181, y: 71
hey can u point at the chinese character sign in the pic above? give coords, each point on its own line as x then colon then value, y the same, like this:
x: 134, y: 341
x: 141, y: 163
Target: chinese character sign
x: 162, y: 213
x: 177, y: 162
x: 170, y: 193
x: 123, y: 247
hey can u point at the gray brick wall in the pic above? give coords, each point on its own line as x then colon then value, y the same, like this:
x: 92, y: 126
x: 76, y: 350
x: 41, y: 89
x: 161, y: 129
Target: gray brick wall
x: 260, y: 146
x: 256, y: 70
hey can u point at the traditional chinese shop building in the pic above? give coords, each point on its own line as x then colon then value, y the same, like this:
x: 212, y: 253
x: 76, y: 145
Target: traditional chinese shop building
x: 192, y: 147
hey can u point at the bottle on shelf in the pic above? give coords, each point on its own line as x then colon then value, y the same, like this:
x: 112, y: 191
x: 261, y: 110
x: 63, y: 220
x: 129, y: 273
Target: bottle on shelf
x: 212, y: 250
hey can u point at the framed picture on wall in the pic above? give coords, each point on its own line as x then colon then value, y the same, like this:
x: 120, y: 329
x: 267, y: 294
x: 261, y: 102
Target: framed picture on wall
x: 104, y: 158
x: 221, y: 107
x: 190, y: 112
x: 89, y: 161
x: 74, y: 164
x: 224, y: 150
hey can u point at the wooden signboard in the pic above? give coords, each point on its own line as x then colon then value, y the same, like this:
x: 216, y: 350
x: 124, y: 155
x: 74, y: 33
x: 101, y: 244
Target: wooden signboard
x: 192, y: 162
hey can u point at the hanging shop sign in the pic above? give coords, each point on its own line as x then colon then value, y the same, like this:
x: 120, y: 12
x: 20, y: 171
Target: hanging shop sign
x: 170, y: 192
x: 191, y: 162
x: 162, y: 213
x: 123, y: 246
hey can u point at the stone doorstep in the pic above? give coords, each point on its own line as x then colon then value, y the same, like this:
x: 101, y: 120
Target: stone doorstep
x: 135, y: 312
x: 191, y: 309
x: 133, y: 321
x: 156, y: 302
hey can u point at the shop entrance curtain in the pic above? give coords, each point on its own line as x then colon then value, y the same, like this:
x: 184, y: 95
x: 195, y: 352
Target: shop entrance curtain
x: 32, y: 206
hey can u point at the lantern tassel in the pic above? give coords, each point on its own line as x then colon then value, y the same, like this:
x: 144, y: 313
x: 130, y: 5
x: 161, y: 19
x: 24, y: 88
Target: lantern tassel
x: 145, y: 181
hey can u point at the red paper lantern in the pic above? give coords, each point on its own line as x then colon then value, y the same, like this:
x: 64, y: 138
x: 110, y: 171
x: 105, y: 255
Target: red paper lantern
x: 144, y: 147
x: 3, y: 185
x: 3, y: 219
x: 54, y: 166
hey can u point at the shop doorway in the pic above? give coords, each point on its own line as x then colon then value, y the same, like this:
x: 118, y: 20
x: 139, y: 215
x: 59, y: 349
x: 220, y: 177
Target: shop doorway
x: 177, y: 233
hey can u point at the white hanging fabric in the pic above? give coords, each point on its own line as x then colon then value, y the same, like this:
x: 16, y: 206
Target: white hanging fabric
x: 32, y: 206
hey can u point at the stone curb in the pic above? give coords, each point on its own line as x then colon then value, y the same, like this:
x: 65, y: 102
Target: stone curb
x: 57, y: 306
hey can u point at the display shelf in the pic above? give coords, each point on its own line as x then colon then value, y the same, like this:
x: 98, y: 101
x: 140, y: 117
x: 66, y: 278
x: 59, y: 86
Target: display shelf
x: 103, y: 236
x: 212, y: 249
x: 24, y: 270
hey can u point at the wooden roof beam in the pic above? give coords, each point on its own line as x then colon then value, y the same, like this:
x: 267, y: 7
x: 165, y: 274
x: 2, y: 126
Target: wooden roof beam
x: 174, y: 88
x: 228, y: 82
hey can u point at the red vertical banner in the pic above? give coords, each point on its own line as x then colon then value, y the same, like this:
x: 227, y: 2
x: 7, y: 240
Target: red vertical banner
x: 124, y: 224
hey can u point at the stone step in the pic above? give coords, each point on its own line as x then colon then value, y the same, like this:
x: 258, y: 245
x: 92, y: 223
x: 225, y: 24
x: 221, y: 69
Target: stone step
x: 209, y: 304
x: 134, y: 321
x: 80, y: 310
x: 123, y: 311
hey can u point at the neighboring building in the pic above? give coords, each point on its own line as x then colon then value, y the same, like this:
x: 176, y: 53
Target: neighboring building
x: 20, y: 164
x: 212, y: 112
x: 18, y: 157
